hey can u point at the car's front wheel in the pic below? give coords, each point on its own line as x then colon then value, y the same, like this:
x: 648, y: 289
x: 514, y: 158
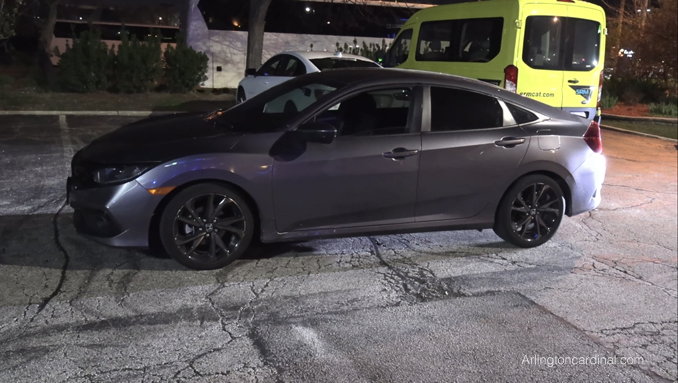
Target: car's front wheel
x: 206, y: 226
x: 530, y: 212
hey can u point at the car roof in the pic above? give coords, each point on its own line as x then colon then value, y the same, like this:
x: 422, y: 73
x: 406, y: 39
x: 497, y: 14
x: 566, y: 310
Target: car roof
x: 387, y: 76
x: 322, y: 54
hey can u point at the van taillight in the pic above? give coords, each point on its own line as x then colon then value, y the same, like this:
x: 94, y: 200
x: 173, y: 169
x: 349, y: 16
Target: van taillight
x: 593, y: 138
x: 511, y: 78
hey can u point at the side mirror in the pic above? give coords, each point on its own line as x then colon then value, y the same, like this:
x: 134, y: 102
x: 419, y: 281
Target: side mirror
x: 250, y: 72
x: 320, y: 132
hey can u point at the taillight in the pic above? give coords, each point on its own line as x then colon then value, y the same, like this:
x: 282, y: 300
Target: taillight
x: 511, y: 78
x: 593, y: 138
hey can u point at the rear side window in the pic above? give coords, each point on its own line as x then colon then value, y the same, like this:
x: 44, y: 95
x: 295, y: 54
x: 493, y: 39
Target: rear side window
x: 467, y: 40
x: 561, y: 43
x: 332, y: 63
x: 456, y: 109
x: 521, y: 115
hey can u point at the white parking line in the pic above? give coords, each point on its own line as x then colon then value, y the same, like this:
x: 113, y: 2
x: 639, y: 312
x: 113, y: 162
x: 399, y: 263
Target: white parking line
x: 66, y: 140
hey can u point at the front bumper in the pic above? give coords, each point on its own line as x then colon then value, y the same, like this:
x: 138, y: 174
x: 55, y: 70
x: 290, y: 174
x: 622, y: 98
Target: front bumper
x: 117, y: 215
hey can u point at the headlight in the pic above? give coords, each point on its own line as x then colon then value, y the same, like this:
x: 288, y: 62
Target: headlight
x: 117, y: 174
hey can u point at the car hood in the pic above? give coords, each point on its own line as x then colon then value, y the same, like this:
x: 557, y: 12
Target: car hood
x: 159, y: 139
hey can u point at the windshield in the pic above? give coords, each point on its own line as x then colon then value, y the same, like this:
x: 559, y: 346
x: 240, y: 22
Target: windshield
x: 399, y: 51
x: 336, y: 63
x: 271, y: 110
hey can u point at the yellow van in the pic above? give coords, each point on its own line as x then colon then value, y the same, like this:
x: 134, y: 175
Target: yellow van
x: 550, y: 50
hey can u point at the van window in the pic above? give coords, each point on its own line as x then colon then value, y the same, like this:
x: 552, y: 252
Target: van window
x: 400, y: 49
x: 456, y: 109
x: 561, y: 43
x: 586, y: 44
x: 466, y: 40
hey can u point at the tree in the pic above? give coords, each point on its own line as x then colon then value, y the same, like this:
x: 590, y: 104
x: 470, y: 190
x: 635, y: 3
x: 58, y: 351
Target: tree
x: 255, y: 35
x: 9, y: 14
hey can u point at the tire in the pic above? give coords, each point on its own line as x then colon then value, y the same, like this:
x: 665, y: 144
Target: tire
x: 202, y: 239
x: 530, y: 212
x: 240, y: 95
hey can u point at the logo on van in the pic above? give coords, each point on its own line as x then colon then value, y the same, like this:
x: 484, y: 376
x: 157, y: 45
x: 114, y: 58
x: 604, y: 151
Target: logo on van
x: 584, y: 91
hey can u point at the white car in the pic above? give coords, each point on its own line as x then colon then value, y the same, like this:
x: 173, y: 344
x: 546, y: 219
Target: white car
x: 287, y: 65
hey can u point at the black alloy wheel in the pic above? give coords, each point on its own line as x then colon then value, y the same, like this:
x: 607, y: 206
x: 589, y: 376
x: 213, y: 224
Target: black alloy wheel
x: 530, y: 212
x: 206, y: 226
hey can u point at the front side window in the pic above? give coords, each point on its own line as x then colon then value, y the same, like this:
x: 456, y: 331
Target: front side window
x: 374, y: 113
x: 270, y: 67
x: 456, y: 109
x: 400, y: 49
x: 561, y: 43
x: 466, y: 40
x: 272, y: 109
x: 293, y: 67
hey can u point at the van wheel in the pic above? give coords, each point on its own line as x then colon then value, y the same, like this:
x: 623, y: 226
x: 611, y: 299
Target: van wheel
x: 530, y: 212
x: 206, y: 226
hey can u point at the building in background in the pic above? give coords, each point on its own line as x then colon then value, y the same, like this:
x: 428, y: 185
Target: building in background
x: 219, y: 28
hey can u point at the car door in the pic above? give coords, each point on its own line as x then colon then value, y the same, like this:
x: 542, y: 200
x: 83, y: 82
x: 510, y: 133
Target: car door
x: 366, y: 176
x: 470, y: 152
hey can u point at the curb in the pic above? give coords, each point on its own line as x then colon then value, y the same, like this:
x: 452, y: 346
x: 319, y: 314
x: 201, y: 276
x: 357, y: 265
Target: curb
x: 617, y: 117
x: 85, y: 113
x: 608, y: 127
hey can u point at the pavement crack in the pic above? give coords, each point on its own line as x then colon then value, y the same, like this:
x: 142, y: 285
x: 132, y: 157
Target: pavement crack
x: 64, y: 267
x: 413, y: 282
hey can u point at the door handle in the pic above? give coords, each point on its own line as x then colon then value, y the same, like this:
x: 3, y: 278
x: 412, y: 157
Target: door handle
x: 400, y: 153
x: 509, y: 142
x: 573, y: 81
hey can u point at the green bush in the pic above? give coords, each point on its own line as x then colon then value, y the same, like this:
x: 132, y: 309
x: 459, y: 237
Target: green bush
x: 137, y: 65
x: 83, y: 66
x: 185, y: 68
x: 634, y: 91
x: 608, y: 101
x: 664, y: 109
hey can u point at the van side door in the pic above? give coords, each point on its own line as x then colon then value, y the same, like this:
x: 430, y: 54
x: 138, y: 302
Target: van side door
x: 540, y: 73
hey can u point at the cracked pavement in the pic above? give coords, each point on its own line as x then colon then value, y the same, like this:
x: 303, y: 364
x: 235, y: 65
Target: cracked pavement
x: 433, y: 307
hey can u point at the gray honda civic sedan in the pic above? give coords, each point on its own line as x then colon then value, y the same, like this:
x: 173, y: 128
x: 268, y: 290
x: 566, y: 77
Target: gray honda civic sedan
x: 339, y: 153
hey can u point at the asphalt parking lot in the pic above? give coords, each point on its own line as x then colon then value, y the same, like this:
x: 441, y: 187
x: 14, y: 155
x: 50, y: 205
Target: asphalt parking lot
x: 596, y: 303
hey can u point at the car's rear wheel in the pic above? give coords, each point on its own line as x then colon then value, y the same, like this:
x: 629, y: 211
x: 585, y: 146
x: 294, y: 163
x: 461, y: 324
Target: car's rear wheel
x: 206, y: 226
x: 240, y: 95
x: 530, y: 212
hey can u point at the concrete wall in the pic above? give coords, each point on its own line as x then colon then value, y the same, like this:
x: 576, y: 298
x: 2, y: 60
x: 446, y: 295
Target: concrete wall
x: 227, y: 49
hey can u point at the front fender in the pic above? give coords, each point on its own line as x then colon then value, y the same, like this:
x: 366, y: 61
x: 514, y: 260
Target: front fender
x: 250, y: 172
